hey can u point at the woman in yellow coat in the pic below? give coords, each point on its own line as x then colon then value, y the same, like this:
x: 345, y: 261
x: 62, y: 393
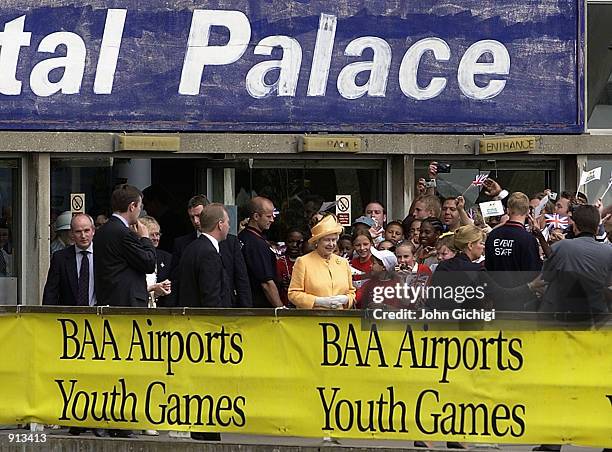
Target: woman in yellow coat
x: 321, y: 279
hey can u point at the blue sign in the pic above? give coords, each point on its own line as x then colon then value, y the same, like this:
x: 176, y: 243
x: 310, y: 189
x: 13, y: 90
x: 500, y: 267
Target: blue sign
x: 335, y: 65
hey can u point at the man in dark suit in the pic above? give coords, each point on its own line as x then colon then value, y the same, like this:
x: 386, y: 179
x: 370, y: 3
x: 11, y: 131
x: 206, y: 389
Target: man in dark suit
x: 231, y: 254
x: 194, y: 209
x: 203, y: 279
x: 233, y: 260
x: 70, y: 281
x: 124, y: 252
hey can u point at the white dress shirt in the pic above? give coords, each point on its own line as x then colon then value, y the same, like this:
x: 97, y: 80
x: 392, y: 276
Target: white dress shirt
x: 213, y: 240
x: 123, y: 220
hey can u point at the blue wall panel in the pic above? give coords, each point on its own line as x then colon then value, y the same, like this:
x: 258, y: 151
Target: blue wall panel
x: 543, y: 91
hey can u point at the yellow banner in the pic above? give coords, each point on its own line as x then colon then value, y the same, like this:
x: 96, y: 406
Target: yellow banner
x: 306, y: 376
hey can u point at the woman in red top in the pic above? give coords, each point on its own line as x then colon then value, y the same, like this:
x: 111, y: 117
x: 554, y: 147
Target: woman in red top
x: 406, y: 259
x: 363, y: 262
x: 412, y: 273
x: 362, y: 244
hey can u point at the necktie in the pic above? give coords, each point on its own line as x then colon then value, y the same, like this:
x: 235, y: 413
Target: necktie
x: 83, y: 290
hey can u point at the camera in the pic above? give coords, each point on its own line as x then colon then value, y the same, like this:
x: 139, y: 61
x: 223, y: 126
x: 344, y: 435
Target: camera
x: 443, y: 167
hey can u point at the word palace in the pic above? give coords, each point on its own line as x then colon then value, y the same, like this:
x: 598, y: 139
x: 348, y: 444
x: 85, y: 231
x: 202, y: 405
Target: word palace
x: 486, y: 57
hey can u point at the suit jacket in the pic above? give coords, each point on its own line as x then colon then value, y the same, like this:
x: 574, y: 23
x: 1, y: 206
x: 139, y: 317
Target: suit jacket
x: 164, y: 264
x: 121, y: 262
x: 233, y: 260
x: 203, y: 280
x: 180, y: 243
x: 578, y: 272
x: 62, y: 280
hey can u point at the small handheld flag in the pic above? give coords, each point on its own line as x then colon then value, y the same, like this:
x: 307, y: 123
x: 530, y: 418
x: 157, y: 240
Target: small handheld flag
x: 479, y: 180
x: 556, y: 221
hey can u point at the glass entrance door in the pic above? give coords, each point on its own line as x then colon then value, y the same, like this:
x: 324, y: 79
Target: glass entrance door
x: 9, y: 231
x: 526, y: 175
x: 299, y: 187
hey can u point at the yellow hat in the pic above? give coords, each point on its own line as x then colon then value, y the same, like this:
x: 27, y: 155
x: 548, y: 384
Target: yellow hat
x: 328, y: 225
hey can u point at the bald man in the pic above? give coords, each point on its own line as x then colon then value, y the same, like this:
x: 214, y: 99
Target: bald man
x: 259, y: 257
x: 70, y: 281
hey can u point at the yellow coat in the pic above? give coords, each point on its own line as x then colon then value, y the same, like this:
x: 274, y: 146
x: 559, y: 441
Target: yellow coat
x: 314, y: 277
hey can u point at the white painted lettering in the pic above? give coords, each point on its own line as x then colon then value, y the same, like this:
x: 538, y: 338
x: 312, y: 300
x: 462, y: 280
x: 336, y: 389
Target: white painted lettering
x: 73, y: 64
x: 109, y: 51
x: 12, y: 39
x: 410, y: 64
x: 289, y: 66
x: 378, y: 67
x: 199, y: 53
x: 469, y: 67
x: 321, y: 60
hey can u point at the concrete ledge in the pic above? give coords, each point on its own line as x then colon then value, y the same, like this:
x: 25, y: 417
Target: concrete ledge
x: 286, y: 143
x: 60, y: 440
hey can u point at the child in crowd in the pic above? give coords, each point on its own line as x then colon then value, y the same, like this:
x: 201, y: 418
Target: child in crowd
x: 445, y: 248
x: 371, y: 294
x: 362, y: 244
x: 362, y: 263
x: 345, y: 247
x: 431, y: 229
x: 284, y: 264
x: 413, y: 232
x: 411, y: 273
x: 394, y: 232
x: 386, y: 245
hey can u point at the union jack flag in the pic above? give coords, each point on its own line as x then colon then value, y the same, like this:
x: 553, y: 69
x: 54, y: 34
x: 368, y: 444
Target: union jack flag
x: 479, y: 180
x: 556, y: 221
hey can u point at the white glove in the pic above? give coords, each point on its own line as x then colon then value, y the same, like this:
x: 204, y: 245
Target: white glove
x: 323, y: 302
x: 340, y: 300
x: 335, y: 302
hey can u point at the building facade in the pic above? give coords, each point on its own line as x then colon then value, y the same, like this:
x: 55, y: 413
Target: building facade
x: 296, y: 101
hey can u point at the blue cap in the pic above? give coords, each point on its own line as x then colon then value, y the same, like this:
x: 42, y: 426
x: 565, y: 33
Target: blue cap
x: 369, y: 222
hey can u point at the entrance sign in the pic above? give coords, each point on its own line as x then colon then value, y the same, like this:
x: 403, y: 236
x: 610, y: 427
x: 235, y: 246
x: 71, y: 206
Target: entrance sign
x: 347, y: 380
x: 313, y: 66
x: 506, y: 145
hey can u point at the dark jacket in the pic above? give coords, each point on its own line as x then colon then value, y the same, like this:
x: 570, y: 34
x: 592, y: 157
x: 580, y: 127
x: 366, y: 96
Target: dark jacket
x: 231, y: 253
x: 513, y: 255
x: 180, y: 243
x: 578, y: 273
x: 164, y: 263
x: 234, y: 266
x: 467, y: 281
x: 203, y: 281
x: 62, y: 281
x: 121, y: 262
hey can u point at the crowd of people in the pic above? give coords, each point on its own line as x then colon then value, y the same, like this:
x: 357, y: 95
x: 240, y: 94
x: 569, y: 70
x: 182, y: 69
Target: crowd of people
x: 545, y: 253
